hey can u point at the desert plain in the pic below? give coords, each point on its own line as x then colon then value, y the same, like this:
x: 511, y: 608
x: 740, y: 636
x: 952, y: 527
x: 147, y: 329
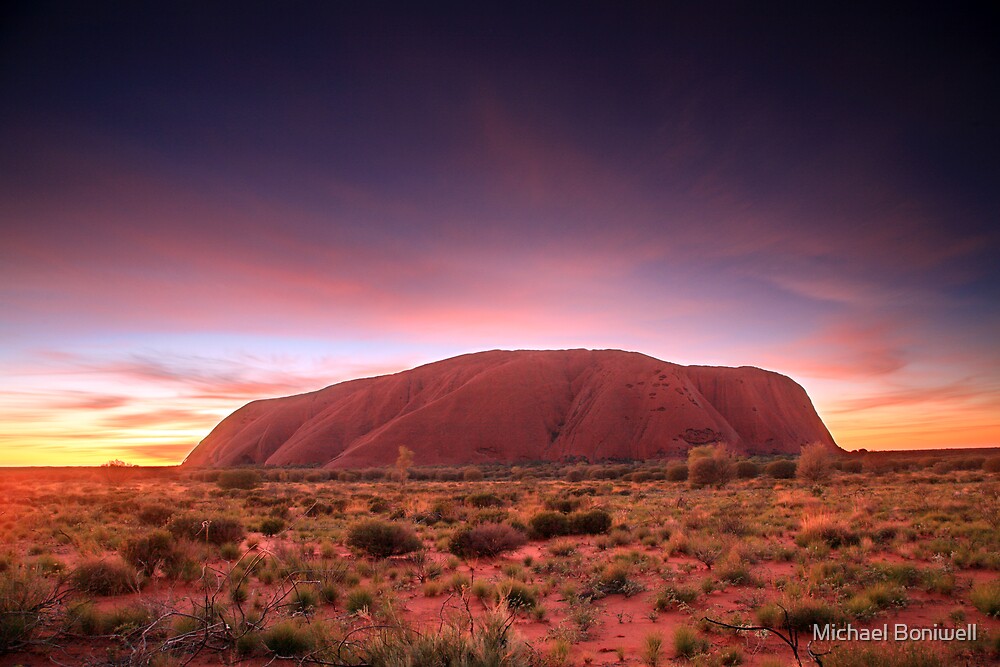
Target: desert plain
x: 723, y: 561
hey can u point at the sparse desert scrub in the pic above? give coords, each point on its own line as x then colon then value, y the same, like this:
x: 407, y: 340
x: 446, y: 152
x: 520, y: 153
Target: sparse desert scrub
x: 775, y: 547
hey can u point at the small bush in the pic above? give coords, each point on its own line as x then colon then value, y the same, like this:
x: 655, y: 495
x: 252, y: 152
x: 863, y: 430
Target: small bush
x: 22, y: 601
x: 379, y: 505
x: 710, y: 465
x: 782, y: 469
x: 549, y: 524
x: 803, y: 614
x: 105, y: 577
x: 486, y: 540
x: 687, y: 643
x: 986, y: 598
x: 359, y: 599
x: 517, y: 595
x: 288, y: 639
x: 853, y: 467
x: 651, y: 648
x: 382, y: 539
x: 155, y: 515
x: 677, y: 472
x: 482, y: 500
x: 827, y: 529
x: 906, y: 655
x: 616, y: 579
x: 472, y: 474
x: 590, y: 522
x: 272, y: 525
x: 747, y: 469
x: 238, y: 479
x: 150, y: 551
x: 814, y: 464
x: 210, y: 529
x: 673, y: 596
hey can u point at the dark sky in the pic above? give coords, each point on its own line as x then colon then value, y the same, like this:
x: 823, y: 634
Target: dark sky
x: 274, y: 197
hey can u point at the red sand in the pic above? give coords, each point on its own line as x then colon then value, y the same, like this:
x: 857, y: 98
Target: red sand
x: 521, y: 406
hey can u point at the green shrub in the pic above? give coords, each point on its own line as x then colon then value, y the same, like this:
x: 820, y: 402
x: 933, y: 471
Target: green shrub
x: 710, y: 465
x: 272, y: 525
x: 986, y: 598
x: 782, y: 469
x: 94, y: 622
x: 564, y: 505
x: 899, y: 655
x: 814, y: 465
x: 485, y: 540
x: 482, y: 500
x: 805, y: 613
x: 549, y: 524
x: 672, y: 596
x: 651, y: 648
x: 155, y: 515
x: 238, y: 479
x: 616, y: 579
x: 105, y: 577
x: 853, y: 467
x: 359, y: 599
x: 677, y: 472
x: 379, y: 505
x: 517, y: 595
x: 747, y: 469
x: 687, y: 643
x: 590, y: 522
x: 382, y: 539
x: 472, y: 474
x: 23, y: 599
x: 287, y: 639
x: 150, y: 551
x: 210, y: 529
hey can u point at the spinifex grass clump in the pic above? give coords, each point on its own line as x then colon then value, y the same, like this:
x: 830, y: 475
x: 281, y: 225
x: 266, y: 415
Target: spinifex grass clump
x: 105, y: 577
x: 986, y: 598
x: 826, y: 528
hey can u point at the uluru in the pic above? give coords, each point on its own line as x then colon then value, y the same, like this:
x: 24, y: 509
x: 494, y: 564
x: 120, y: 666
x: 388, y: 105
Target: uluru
x: 522, y: 406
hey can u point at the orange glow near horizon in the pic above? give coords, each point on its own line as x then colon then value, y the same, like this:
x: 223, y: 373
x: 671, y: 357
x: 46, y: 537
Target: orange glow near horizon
x: 165, y: 417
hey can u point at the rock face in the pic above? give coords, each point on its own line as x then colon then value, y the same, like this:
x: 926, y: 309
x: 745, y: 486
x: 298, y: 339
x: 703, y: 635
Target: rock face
x: 522, y: 406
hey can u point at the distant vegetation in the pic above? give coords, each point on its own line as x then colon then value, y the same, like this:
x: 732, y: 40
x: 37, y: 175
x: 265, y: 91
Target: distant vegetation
x: 619, y: 562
